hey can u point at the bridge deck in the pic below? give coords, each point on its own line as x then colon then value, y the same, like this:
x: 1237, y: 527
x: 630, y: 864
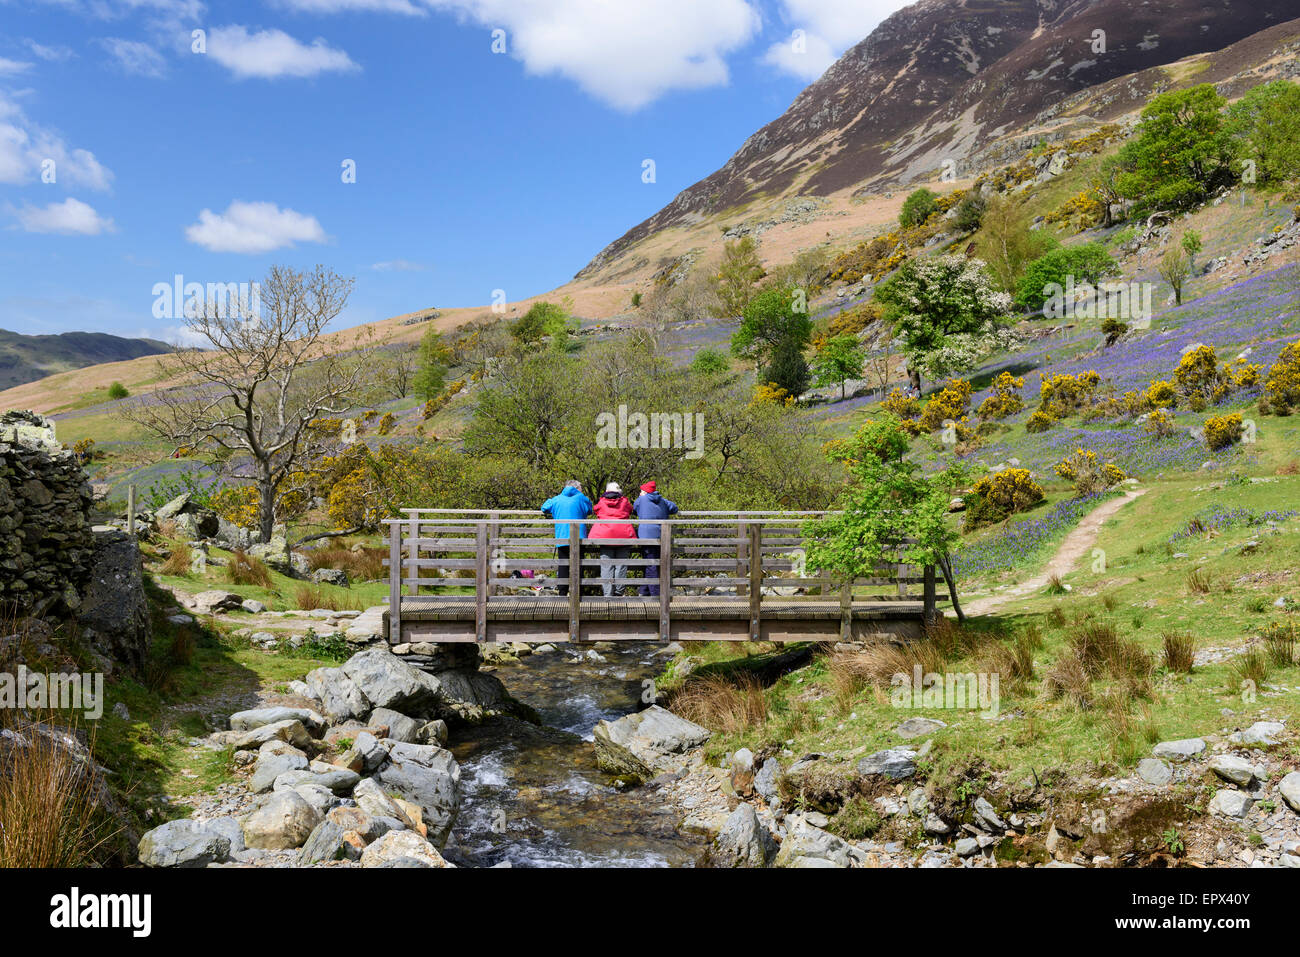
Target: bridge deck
x: 734, y: 576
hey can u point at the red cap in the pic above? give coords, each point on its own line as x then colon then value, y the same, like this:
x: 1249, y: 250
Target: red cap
x: 648, y: 487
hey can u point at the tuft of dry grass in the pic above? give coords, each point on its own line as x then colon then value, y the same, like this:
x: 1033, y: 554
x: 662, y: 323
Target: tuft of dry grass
x: 48, y: 802
x: 244, y: 569
x: 1198, y: 582
x: 1252, y: 666
x: 1056, y: 617
x: 309, y: 599
x: 1280, y: 645
x: 178, y: 562
x: 364, y: 564
x: 1068, y: 679
x: 727, y: 704
x: 1179, y: 651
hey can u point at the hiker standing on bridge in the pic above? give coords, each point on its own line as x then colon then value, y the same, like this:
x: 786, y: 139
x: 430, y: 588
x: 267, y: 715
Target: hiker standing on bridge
x: 569, y: 505
x: 613, y: 568
x: 651, y: 505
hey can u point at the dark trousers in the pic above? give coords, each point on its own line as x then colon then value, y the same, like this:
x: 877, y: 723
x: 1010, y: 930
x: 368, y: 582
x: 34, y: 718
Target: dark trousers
x: 651, y: 571
x: 562, y: 555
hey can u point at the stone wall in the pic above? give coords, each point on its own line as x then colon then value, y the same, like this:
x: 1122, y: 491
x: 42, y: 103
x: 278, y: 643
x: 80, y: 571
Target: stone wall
x: 47, y: 544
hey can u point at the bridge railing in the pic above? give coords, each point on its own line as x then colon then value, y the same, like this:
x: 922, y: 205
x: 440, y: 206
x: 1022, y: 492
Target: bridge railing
x: 494, y: 558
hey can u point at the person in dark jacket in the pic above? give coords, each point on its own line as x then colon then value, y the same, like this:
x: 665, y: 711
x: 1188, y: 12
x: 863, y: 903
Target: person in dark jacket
x: 613, y: 505
x: 569, y: 505
x: 648, y: 506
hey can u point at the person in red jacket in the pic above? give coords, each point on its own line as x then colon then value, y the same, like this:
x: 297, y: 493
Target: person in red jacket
x: 613, y: 505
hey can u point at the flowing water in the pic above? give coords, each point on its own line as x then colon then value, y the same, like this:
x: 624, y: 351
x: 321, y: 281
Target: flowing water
x: 533, y: 797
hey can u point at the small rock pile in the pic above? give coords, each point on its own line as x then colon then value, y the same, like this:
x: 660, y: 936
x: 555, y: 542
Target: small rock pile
x: 354, y: 772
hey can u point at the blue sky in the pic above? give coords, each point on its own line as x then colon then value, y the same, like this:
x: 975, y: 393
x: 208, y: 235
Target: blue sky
x: 475, y: 170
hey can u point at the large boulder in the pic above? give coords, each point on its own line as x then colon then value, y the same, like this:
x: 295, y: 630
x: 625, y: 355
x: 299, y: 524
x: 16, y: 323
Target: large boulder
x: 400, y: 727
x: 809, y: 846
x: 427, y: 776
x: 270, y: 766
x: 283, y: 822
x: 213, y: 601
x: 259, y: 717
x: 743, y: 841
x: 338, y: 694
x: 291, y: 732
x: 114, y: 613
x: 1233, y: 769
x: 1289, y: 788
x: 389, y: 682
x: 406, y: 847
x: 1181, y: 750
x: 892, y: 763
x: 183, y: 843
x: 339, y: 780
x: 468, y: 696
x: 641, y: 745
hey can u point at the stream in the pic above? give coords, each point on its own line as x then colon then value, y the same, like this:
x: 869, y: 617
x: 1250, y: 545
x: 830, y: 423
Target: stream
x: 533, y: 797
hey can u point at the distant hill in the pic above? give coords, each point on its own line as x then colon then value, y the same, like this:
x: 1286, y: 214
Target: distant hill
x: 28, y: 358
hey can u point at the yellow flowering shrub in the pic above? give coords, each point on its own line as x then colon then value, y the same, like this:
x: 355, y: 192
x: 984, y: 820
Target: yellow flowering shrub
x: 1005, y: 398
x: 766, y: 393
x: 1161, y: 394
x: 1160, y: 424
x: 1222, y: 431
x: 238, y: 505
x: 996, y: 496
x: 1087, y: 473
x: 949, y: 405
x: 1282, y: 386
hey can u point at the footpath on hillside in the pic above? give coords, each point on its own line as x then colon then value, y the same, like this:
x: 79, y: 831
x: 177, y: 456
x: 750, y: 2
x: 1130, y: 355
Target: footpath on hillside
x: 1076, y: 544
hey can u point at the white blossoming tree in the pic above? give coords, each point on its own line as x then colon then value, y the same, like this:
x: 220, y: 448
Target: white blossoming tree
x: 947, y: 311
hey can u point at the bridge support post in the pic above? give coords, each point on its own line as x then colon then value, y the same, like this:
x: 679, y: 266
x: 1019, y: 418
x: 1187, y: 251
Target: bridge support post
x: 665, y: 581
x: 846, y: 611
x: 755, y: 581
x: 481, y: 582
x: 575, y: 582
x: 395, y: 583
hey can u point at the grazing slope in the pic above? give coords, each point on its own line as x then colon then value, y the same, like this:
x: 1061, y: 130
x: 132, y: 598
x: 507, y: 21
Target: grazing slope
x: 28, y: 358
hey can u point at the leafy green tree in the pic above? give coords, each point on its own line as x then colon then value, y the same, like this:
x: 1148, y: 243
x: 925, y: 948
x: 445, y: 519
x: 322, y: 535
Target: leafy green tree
x: 788, y: 369
x: 541, y: 320
x: 1181, y: 152
x: 117, y: 391
x: 1192, y: 245
x: 431, y: 372
x: 970, y: 213
x: 1175, y: 267
x: 887, y: 500
x: 740, y: 269
x: 939, y: 301
x: 918, y: 207
x: 710, y: 362
x: 1266, y: 123
x: 839, y: 360
x: 1007, y: 243
x: 1087, y: 263
x: 774, y: 317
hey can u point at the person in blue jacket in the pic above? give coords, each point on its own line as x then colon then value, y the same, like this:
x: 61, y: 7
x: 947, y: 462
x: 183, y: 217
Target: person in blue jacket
x: 651, y: 505
x: 570, y: 504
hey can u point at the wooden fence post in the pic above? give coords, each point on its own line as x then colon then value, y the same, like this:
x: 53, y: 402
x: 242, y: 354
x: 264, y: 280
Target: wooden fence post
x: 494, y: 534
x: 846, y: 611
x: 130, y: 510
x: 755, y: 580
x: 742, y: 556
x: 481, y: 584
x: 665, y: 581
x: 415, y: 554
x: 575, y: 581
x: 395, y: 583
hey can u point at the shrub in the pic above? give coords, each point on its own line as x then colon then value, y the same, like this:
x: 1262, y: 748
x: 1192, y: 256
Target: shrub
x: 710, y: 362
x: 1282, y: 386
x: 1160, y: 424
x: 1280, y: 643
x: 1063, y: 395
x: 118, y: 391
x: 1088, y: 263
x: 244, y: 569
x: 1179, y: 651
x: 238, y: 505
x: 1222, y: 431
x: 310, y: 599
x: 996, y: 496
x: 905, y: 407
x: 1005, y: 399
x: 949, y: 405
x: 729, y: 705
x: 1087, y: 474
x: 1040, y: 421
x: 919, y: 206
x: 178, y: 562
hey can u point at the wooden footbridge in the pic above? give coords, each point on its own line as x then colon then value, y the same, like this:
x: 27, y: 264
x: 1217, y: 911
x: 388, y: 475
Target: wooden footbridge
x: 497, y: 576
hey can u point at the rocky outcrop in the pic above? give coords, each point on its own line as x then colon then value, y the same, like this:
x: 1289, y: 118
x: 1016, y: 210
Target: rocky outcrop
x: 114, y: 612
x: 639, y: 746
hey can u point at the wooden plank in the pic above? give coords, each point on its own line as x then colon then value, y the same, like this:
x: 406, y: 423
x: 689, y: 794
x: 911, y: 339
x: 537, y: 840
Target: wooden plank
x: 415, y: 551
x: 665, y: 581
x: 755, y: 579
x: 846, y: 611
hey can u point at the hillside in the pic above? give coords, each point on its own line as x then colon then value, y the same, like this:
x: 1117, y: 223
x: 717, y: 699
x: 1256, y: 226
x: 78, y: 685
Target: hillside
x: 25, y: 358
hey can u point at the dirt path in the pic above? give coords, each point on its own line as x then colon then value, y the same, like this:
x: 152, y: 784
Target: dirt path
x: 1077, y: 544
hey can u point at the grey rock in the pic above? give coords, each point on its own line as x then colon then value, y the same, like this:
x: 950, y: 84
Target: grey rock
x: 936, y: 825
x: 1233, y: 769
x: 114, y: 613
x: 1181, y: 750
x: 892, y: 763
x: 373, y: 753
x: 402, y: 849
x: 400, y: 727
x: 743, y: 841
x: 967, y: 846
x: 339, y: 780
x: 918, y: 727
x: 270, y: 766
x: 290, y: 731
x: 389, y: 682
x: 259, y: 717
x: 428, y: 776
x: 987, y: 817
x: 1289, y: 788
x: 1154, y: 771
x: 1260, y: 733
x: 213, y: 601
x: 1230, y: 803
x: 330, y: 576
x: 433, y: 732
x: 642, y: 744
x: 338, y: 694
x: 182, y: 843
x: 325, y: 843
x: 808, y: 846
x: 252, y: 607
x: 767, y: 780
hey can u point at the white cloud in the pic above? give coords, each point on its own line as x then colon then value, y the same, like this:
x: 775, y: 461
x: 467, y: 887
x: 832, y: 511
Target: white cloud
x: 136, y: 57
x: 253, y: 228
x: 24, y: 147
x: 399, y: 265
x: 624, y: 52
x: 71, y: 217
x: 268, y: 54
x: 829, y: 28
x: 51, y: 54
x: 10, y: 67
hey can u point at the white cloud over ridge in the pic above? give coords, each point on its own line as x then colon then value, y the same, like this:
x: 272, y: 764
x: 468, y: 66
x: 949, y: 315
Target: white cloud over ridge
x: 253, y: 228
x: 24, y: 147
x: 829, y: 28
x: 71, y: 217
x: 270, y: 54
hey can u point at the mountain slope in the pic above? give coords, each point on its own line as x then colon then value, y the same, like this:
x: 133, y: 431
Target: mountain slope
x: 942, y: 79
x: 26, y: 358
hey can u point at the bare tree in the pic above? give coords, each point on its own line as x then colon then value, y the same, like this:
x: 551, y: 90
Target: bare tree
x: 396, y: 368
x: 264, y: 381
